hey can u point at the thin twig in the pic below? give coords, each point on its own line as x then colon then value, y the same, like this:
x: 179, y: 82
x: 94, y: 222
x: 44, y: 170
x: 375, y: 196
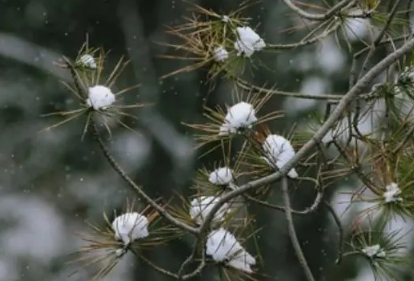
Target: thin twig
x: 374, y: 45
x: 305, y: 42
x: 340, y: 231
x: 202, y: 263
x: 404, y: 141
x: 247, y: 86
x: 153, y: 265
x: 190, y: 258
x: 292, y: 231
x: 408, y: 16
x: 356, y: 56
x: 132, y: 184
x: 308, y: 210
x: 353, y: 253
x: 320, y: 17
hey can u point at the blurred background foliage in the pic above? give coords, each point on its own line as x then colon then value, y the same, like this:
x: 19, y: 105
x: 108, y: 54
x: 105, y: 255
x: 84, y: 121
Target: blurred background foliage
x: 52, y: 182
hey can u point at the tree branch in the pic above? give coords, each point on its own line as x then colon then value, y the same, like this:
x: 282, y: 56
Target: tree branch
x: 320, y: 17
x: 292, y: 231
x: 132, y: 184
x: 342, y: 106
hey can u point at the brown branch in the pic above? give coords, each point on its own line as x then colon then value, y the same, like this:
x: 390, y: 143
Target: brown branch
x: 292, y: 231
x: 321, y: 17
x: 133, y: 185
x: 305, y: 42
x: 337, y: 114
x: 377, y: 41
x: 315, y: 204
x: 340, y: 231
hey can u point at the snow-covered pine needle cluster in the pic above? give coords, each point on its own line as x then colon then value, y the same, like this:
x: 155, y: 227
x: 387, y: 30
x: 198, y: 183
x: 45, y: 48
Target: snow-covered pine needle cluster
x: 92, y: 87
x: 248, y: 41
x: 221, y: 244
x: 202, y: 206
x: 384, y: 250
x: 130, y: 227
x: 392, y: 193
x: 100, y: 97
x: 239, y: 122
x: 88, y: 61
x: 241, y: 119
x: 373, y: 143
x: 221, y: 176
x: 130, y: 231
x: 224, y: 248
x: 220, y: 54
x: 254, y: 155
x: 239, y: 116
x: 279, y: 151
x: 220, y: 42
x: 374, y: 251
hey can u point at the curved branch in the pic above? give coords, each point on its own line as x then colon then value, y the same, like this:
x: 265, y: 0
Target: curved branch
x: 377, y: 41
x: 337, y: 114
x: 306, y: 42
x: 198, y: 269
x: 292, y: 232
x: 190, y: 258
x: 320, y: 17
x: 317, y: 201
x: 357, y: 55
x: 154, y: 266
x: 340, y: 230
x: 133, y: 185
x: 245, y: 85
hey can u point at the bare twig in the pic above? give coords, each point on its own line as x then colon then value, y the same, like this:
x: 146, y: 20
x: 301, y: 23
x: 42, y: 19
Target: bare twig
x: 132, y: 184
x: 199, y: 268
x: 247, y: 86
x: 305, y: 42
x: 340, y: 231
x: 404, y: 141
x: 198, y: 243
x: 408, y: 17
x: 153, y: 265
x: 320, y: 17
x: 292, y: 231
x: 377, y: 41
x: 356, y: 56
x: 315, y: 204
